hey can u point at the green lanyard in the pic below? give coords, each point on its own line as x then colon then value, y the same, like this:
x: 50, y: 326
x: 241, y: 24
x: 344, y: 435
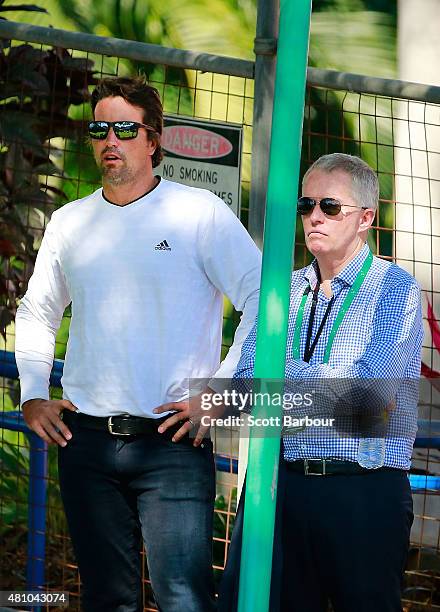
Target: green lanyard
x: 354, y: 289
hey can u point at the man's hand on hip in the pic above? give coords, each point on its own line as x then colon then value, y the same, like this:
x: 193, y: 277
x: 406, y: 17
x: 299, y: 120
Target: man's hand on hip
x: 43, y: 417
x: 191, y: 412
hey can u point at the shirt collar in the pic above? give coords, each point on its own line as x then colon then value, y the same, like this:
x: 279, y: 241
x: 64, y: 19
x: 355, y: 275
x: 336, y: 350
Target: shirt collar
x: 347, y: 275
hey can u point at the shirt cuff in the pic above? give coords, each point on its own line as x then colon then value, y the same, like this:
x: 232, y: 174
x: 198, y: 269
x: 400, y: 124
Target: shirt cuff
x: 33, y: 387
x: 295, y: 368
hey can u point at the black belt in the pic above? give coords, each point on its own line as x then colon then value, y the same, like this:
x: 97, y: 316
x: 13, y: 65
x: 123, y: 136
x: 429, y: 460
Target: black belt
x: 119, y: 425
x: 329, y: 467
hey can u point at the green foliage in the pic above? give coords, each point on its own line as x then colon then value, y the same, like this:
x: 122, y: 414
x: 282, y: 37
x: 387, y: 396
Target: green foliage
x: 63, y: 335
x: 30, y: 8
x: 14, y: 470
x: 56, y: 519
x: 81, y: 175
x: 222, y: 529
x: 37, y: 88
x: 14, y: 488
x: 207, y: 26
x: 362, y: 42
x: 354, y: 35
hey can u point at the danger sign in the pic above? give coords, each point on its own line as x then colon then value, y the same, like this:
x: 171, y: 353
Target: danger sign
x: 195, y: 142
x: 203, y: 154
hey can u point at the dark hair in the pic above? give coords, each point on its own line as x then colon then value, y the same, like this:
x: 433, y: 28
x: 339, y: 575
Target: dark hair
x: 137, y: 92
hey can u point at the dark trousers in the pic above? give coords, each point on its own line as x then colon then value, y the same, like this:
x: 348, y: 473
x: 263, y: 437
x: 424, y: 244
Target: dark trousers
x: 114, y: 489
x: 338, y: 538
x: 345, y: 539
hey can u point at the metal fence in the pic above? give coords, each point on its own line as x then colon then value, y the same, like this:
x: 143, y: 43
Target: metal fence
x: 394, y: 126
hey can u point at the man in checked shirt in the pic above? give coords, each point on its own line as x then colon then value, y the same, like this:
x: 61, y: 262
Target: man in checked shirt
x: 344, y: 508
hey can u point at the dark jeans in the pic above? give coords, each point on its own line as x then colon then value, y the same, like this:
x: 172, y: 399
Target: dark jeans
x: 338, y: 538
x: 114, y: 489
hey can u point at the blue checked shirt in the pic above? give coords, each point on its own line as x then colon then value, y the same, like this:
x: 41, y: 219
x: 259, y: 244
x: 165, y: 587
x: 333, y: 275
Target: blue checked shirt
x: 380, y: 338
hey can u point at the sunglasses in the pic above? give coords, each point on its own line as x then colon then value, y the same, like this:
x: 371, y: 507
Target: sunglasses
x: 329, y: 206
x: 124, y: 130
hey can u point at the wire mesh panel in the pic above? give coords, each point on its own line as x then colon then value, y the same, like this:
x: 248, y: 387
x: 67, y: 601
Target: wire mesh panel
x: 46, y: 161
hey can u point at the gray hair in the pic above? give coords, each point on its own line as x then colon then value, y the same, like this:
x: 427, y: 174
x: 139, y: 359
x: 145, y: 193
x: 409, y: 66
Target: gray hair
x: 365, y: 183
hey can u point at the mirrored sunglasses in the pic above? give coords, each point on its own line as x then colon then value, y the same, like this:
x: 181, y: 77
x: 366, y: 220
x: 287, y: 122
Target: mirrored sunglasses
x: 124, y: 130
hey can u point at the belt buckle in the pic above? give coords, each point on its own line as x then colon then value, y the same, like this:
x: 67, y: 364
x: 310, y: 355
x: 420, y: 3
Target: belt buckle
x: 307, y: 471
x: 110, y: 425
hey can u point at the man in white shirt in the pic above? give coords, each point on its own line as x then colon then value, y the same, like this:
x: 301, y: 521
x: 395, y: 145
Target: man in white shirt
x: 145, y: 263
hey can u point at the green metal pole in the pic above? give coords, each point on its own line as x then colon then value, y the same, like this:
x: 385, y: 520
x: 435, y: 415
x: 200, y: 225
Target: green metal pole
x: 279, y: 232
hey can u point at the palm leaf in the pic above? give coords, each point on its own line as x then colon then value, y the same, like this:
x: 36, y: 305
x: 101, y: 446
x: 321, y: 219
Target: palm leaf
x: 22, y: 7
x: 360, y: 42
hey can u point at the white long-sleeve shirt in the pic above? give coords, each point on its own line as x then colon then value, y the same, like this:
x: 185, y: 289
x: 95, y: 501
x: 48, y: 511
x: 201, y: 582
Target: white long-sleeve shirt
x: 145, y: 281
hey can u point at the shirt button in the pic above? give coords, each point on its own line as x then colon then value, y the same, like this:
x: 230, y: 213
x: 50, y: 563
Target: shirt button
x: 303, y: 446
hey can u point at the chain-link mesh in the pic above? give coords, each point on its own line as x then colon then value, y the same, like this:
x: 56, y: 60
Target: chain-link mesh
x: 46, y: 161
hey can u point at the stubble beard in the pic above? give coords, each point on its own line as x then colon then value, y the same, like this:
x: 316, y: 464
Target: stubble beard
x: 121, y: 175
x: 117, y: 176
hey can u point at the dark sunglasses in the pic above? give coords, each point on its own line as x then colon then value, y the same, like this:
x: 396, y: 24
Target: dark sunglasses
x: 124, y: 130
x: 329, y: 206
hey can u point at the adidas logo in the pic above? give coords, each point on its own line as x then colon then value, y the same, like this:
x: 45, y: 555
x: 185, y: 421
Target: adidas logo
x: 162, y: 246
